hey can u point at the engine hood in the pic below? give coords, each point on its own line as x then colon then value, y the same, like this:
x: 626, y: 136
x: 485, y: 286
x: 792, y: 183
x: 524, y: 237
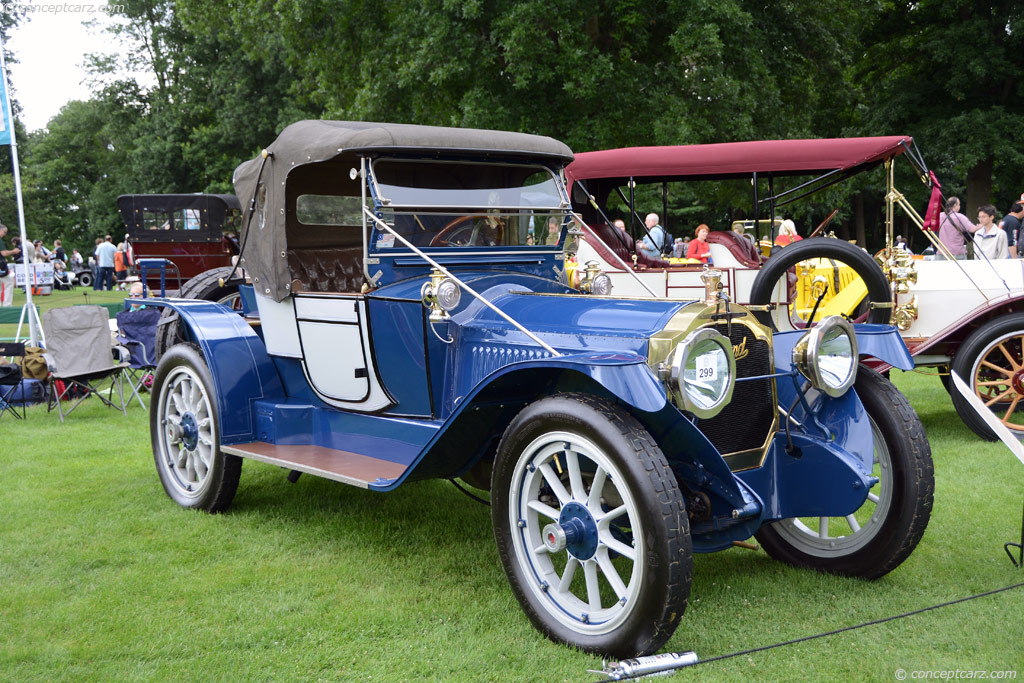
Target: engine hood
x: 566, y: 320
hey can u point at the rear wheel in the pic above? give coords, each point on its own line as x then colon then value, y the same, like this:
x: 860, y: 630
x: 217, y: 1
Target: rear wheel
x: 878, y: 537
x: 205, y: 286
x: 84, y: 278
x: 591, y: 528
x: 991, y: 362
x: 184, y: 429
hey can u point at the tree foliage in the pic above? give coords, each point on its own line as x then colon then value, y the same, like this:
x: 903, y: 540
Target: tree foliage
x: 225, y: 77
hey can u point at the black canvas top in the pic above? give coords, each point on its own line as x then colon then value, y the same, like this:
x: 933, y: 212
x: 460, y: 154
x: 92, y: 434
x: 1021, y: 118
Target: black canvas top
x: 314, y: 141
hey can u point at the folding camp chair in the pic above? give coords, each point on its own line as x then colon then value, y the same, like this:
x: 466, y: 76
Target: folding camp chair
x: 136, y: 331
x: 80, y: 355
x: 10, y: 380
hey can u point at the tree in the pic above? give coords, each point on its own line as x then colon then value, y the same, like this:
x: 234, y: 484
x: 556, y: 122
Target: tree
x: 950, y: 73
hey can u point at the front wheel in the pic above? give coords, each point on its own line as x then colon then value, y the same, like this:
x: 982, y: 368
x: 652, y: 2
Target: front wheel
x: 590, y: 526
x: 184, y: 429
x: 878, y: 537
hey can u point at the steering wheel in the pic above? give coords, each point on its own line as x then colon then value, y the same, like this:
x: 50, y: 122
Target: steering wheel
x: 823, y: 223
x: 488, y: 232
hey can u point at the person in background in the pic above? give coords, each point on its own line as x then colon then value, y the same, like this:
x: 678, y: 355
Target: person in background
x: 952, y: 228
x: 699, y: 248
x: 678, y: 248
x: 42, y: 253
x: 94, y: 263
x: 620, y: 227
x: 105, y: 261
x: 120, y: 265
x: 901, y: 244
x: 58, y: 253
x: 554, y: 231
x: 989, y: 239
x: 654, y: 240
x: 6, y: 272
x: 787, y: 233
x: 135, y: 292
x: 76, y: 259
x: 1011, y: 226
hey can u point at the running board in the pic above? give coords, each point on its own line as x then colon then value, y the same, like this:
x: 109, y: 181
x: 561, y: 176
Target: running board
x: 329, y: 463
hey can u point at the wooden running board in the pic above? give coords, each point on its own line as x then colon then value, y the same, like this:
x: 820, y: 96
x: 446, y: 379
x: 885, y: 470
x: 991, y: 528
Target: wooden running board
x: 350, y: 468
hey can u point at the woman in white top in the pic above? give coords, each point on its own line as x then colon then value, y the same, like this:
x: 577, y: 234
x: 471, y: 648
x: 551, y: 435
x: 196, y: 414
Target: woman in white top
x: 990, y: 240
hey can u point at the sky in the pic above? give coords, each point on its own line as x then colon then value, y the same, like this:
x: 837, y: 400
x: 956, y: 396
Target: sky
x: 51, y: 48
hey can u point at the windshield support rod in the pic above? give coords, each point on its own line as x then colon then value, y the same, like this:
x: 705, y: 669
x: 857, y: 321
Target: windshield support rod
x: 419, y: 252
x: 579, y: 219
x: 632, y: 211
x: 847, y: 174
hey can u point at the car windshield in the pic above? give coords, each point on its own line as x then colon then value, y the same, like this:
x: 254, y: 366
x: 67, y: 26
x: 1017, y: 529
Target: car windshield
x: 442, y: 204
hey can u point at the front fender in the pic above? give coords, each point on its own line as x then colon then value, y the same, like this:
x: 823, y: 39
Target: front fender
x: 241, y: 369
x: 625, y: 376
x: 879, y: 341
x: 628, y: 378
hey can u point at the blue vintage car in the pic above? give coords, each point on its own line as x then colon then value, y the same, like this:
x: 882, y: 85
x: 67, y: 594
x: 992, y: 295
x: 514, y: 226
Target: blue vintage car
x: 408, y: 317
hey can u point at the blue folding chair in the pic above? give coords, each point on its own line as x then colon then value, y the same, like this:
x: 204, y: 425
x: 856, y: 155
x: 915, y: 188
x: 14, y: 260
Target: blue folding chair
x: 10, y: 380
x: 137, y: 332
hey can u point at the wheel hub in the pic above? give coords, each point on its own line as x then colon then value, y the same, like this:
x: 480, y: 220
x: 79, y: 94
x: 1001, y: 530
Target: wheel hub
x: 189, y: 431
x: 1018, y: 382
x: 575, y: 531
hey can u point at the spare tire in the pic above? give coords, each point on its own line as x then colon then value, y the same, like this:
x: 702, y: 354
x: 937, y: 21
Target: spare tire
x: 822, y: 247
x: 206, y: 286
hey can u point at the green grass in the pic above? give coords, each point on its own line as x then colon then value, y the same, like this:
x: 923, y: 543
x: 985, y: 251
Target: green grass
x: 59, y: 298
x: 102, y: 577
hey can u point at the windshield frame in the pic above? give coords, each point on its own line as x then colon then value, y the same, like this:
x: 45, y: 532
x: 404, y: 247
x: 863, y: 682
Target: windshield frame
x: 377, y: 186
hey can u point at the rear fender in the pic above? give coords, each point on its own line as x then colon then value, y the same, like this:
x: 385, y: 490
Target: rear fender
x: 242, y: 371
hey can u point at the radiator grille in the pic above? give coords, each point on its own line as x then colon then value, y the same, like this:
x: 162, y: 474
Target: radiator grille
x: 744, y: 424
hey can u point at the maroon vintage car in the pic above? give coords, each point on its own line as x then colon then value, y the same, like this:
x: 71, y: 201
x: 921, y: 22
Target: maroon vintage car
x: 195, y: 232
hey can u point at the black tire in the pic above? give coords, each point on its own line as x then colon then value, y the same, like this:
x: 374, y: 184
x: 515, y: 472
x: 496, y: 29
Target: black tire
x: 653, y: 597
x: 893, y: 525
x: 84, y: 278
x: 185, y: 434
x: 205, y: 286
x: 988, y: 343
x: 821, y: 247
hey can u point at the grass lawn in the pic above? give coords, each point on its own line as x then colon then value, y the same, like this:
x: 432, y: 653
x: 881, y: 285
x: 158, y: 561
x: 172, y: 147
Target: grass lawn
x: 59, y: 298
x: 104, y: 578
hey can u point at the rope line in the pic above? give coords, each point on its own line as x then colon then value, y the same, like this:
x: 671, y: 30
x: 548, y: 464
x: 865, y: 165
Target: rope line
x: 829, y: 633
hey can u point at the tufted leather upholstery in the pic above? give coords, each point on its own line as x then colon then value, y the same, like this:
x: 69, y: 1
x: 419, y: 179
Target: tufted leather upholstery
x: 740, y: 246
x: 619, y: 242
x: 328, y: 270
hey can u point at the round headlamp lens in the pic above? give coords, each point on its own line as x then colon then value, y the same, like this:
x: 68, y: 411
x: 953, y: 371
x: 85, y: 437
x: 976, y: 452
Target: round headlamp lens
x: 703, y: 373
x: 706, y: 375
x: 601, y: 285
x: 827, y: 356
x: 448, y: 294
x: 836, y: 361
